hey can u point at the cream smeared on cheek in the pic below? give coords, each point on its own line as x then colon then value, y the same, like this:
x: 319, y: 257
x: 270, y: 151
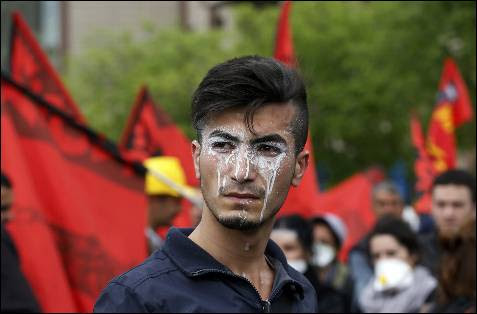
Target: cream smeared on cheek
x: 223, y: 159
x: 269, y: 168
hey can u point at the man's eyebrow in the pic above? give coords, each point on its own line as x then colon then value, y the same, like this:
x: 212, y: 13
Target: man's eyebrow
x: 269, y: 138
x: 224, y: 135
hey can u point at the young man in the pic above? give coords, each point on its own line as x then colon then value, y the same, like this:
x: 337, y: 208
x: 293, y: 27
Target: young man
x: 251, y: 118
x: 453, y: 205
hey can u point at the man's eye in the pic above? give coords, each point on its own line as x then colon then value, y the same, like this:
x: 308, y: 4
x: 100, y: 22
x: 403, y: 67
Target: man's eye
x: 223, y: 146
x: 269, y: 150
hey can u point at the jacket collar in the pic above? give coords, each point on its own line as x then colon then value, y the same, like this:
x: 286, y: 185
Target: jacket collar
x: 192, y: 260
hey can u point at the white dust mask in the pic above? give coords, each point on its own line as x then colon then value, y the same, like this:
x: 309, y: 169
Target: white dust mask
x: 392, y: 273
x: 323, y: 254
x: 299, y: 265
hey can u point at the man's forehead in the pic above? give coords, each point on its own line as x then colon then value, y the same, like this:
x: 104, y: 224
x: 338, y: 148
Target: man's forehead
x: 272, y: 118
x: 383, y: 194
x: 451, y: 191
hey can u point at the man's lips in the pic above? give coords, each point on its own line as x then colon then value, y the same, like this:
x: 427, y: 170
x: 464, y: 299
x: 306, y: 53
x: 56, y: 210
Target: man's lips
x: 242, y: 195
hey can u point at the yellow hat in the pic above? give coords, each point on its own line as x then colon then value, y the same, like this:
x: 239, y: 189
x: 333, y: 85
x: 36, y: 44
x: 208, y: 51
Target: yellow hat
x: 168, y: 167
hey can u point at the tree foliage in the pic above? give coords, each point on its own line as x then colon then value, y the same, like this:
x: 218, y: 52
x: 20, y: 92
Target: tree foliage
x: 366, y: 66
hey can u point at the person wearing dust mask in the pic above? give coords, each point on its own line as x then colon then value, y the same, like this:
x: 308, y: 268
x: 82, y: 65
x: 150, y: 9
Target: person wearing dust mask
x: 399, y: 283
x: 336, y: 284
x: 293, y: 235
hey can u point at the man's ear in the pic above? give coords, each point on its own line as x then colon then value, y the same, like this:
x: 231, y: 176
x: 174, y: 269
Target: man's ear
x: 301, y: 163
x: 195, y: 157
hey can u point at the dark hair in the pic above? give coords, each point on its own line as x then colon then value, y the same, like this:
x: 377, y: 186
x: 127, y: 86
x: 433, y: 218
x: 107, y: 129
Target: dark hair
x: 5, y: 180
x: 399, y: 229
x: 251, y: 82
x: 388, y: 186
x: 457, y: 177
x: 298, y: 224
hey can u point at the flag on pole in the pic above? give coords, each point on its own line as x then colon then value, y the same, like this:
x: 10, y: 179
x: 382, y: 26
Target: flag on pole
x: 151, y: 132
x: 453, y: 108
x: 79, y: 210
x: 30, y: 67
x: 302, y: 199
x: 423, y: 168
x: 284, y: 42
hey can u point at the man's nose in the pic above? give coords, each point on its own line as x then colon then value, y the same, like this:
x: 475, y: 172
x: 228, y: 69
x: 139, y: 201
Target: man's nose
x: 448, y: 212
x: 243, y: 169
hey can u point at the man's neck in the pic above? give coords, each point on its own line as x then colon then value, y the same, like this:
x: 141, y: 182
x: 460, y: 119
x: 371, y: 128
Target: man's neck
x: 241, y: 251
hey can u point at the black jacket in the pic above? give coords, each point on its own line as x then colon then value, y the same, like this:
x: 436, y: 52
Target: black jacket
x: 182, y: 277
x: 17, y: 295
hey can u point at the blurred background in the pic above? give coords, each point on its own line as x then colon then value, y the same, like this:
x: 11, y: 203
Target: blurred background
x: 366, y: 64
x: 75, y: 164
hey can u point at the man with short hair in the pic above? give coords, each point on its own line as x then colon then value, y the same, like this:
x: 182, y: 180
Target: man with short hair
x: 387, y: 200
x: 453, y: 204
x: 251, y: 119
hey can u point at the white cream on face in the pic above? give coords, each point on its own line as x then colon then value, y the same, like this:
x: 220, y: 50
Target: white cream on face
x: 242, y: 156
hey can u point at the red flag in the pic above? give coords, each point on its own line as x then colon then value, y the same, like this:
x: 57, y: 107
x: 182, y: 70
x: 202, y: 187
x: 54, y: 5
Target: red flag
x: 300, y: 200
x: 79, y: 211
x: 150, y: 131
x: 423, y: 168
x: 284, y: 42
x: 453, y: 108
x: 351, y: 201
x: 30, y: 67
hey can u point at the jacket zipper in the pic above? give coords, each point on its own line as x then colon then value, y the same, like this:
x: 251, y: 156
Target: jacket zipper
x: 266, y: 304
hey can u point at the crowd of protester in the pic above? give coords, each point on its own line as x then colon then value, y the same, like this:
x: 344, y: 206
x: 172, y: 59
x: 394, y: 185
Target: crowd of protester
x: 397, y: 267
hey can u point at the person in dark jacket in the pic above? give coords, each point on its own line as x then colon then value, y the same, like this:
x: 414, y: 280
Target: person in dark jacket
x: 292, y: 233
x: 336, y: 285
x: 453, y: 205
x: 457, y: 276
x: 251, y: 118
x: 17, y: 295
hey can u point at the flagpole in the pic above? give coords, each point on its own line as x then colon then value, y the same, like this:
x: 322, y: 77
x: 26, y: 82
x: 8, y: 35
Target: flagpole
x: 176, y: 187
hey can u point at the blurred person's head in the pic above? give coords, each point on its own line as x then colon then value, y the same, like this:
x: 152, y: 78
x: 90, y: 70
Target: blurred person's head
x: 164, y: 202
x: 251, y: 119
x: 387, y: 200
x: 453, y: 201
x: 6, y: 197
x: 329, y: 234
x: 394, y: 251
x: 294, y: 236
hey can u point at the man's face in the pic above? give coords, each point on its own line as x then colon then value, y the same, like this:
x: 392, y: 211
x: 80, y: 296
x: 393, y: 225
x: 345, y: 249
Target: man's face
x: 386, y: 203
x: 245, y: 177
x: 452, y: 206
x: 6, y: 202
x: 288, y: 241
x: 162, y: 210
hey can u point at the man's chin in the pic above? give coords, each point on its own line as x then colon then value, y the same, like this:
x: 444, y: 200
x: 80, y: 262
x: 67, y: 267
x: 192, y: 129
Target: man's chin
x: 239, y: 223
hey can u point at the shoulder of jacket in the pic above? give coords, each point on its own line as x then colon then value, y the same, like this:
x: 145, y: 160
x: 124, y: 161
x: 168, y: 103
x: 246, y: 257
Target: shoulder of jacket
x: 152, y: 268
